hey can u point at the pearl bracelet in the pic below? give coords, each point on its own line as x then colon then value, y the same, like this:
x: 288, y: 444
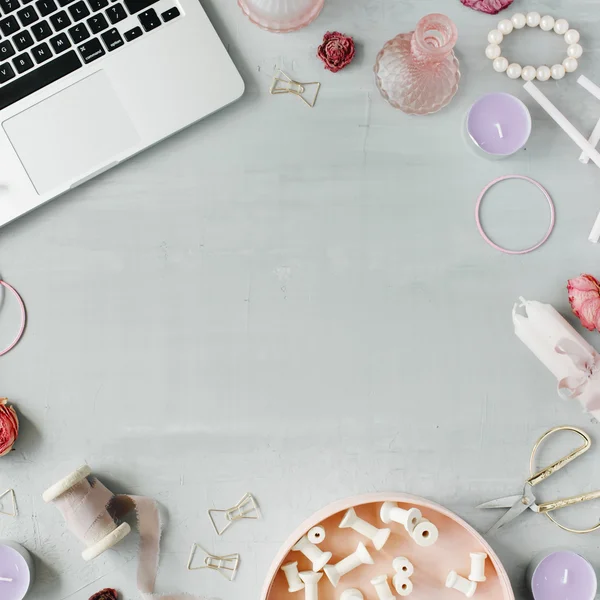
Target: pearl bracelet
x: 547, y: 23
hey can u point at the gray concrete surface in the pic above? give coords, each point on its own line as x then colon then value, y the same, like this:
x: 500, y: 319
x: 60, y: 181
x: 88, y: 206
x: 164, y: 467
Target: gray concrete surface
x: 297, y: 303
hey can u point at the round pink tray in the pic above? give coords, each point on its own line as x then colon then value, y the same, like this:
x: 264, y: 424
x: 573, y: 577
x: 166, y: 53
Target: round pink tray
x: 451, y: 552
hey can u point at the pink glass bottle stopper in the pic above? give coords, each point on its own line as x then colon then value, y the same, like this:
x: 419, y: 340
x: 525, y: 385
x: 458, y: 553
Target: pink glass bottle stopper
x: 417, y: 72
x: 281, y: 16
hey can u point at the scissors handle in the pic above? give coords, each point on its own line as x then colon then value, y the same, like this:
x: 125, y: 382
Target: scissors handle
x: 559, y: 464
x: 556, y: 504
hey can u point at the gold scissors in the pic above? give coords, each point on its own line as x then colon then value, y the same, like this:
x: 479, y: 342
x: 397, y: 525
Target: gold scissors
x: 521, y: 502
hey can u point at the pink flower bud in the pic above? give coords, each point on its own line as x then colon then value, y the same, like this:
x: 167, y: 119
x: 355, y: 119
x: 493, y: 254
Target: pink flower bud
x: 491, y: 7
x: 336, y: 51
x: 9, y: 427
x: 584, y: 296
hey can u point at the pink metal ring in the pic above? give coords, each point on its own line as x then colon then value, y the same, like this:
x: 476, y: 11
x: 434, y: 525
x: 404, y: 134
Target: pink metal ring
x: 484, y: 234
x: 23, y: 318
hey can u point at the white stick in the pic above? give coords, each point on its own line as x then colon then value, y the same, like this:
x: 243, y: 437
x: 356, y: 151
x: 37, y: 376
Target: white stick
x: 595, y: 232
x: 5, y: 579
x: 562, y: 122
x: 594, y: 139
x: 593, y: 89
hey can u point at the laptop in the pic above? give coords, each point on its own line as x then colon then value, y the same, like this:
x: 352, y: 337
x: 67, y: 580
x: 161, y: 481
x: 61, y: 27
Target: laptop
x: 86, y: 84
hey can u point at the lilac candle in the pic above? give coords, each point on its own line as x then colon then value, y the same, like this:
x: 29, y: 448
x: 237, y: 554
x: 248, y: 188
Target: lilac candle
x: 562, y: 575
x: 16, y: 571
x: 499, y: 124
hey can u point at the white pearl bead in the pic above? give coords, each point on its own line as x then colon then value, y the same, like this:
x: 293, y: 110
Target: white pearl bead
x: 561, y: 26
x: 500, y: 64
x: 543, y: 73
x: 547, y: 23
x: 572, y: 36
x: 570, y: 64
x: 495, y: 37
x: 533, y: 19
x: 574, y: 51
x: 518, y: 20
x: 505, y: 27
x: 529, y: 73
x: 493, y: 51
x: 514, y: 71
x: 557, y: 71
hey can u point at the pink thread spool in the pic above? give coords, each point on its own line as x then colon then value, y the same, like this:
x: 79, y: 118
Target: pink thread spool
x: 82, y: 500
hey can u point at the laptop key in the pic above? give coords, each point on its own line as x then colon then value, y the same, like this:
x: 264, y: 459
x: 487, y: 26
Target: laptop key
x: 27, y: 16
x: 170, y: 14
x: 97, y: 23
x: 23, y: 63
x: 91, y: 50
x: 149, y: 19
x: 116, y: 13
x: 44, y: 75
x: 98, y: 4
x: 46, y: 7
x: 112, y: 39
x: 6, y: 50
x: 79, y: 11
x: 133, y: 34
x: 41, y: 30
x: 9, y: 6
x: 60, y: 20
x: 135, y: 6
x: 9, y: 26
x: 6, y: 73
x: 64, y: 2
x: 23, y: 40
x: 79, y: 33
x: 41, y: 53
x: 60, y: 43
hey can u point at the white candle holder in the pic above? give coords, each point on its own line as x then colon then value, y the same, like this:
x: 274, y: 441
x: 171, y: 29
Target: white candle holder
x: 316, y: 535
x: 295, y: 584
x: 360, y: 557
x: 378, y: 537
x: 403, y: 586
x: 311, y: 584
x: 317, y: 557
x: 478, y: 567
x: 382, y: 588
x: 425, y: 533
x: 352, y: 594
x: 390, y: 511
x: 460, y: 584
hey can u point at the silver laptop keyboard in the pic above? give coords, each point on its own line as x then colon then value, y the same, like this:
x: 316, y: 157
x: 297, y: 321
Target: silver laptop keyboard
x: 45, y: 40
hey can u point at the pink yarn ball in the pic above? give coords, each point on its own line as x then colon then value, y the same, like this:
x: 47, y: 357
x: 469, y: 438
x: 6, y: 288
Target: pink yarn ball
x: 491, y: 7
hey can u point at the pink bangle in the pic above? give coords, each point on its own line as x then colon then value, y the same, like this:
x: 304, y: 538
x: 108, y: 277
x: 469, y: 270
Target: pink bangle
x: 23, y: 318
x: 484, y: 234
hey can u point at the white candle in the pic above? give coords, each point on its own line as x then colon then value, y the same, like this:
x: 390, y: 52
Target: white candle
x: 16, y: 571
x: 541, y: 329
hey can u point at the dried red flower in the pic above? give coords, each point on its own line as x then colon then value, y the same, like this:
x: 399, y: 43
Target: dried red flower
x: 584, y: 296
x: 336, y: 51
x: 9, y: 427
x: 491, y: 7
x: 106, y: 594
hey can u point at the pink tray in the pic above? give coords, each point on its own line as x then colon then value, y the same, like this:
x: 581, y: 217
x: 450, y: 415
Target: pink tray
x: 451, y: 552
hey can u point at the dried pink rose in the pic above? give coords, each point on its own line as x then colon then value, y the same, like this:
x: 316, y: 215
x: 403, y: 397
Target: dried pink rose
x: 105, y: 594
x: 336, y: 51
x: 584, y: 296
x: 491, y: 7
x: 9, y: 427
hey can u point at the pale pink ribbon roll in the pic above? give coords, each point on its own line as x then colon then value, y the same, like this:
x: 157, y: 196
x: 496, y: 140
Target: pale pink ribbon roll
x: 91, y: 510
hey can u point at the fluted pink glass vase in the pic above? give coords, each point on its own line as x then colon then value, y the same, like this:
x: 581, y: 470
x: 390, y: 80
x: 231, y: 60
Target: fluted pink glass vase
x: 281, y: 16
x: 417, y: 72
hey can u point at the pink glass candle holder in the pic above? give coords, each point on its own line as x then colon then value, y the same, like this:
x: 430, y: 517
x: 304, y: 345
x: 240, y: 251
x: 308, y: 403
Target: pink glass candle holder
x: 417, y: 72
x: 281, y: 16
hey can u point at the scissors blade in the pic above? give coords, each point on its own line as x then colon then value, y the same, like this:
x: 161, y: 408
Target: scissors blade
x: 506, y: 502
x: 520, y: 506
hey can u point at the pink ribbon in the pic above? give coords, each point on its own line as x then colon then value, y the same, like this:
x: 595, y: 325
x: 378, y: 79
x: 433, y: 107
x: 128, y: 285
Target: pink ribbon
x: 588, y: 364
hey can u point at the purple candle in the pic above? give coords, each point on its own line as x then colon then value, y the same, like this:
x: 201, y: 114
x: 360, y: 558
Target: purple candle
x: 16, y: 569
x: 499, y: 124
x: 562, y: 575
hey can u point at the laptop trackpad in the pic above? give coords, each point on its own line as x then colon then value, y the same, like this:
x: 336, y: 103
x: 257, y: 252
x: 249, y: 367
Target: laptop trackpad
x: 73, y: 134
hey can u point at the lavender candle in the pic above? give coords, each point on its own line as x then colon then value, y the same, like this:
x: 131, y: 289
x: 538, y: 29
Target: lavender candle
x: 16, y: 571
x: 499, y: 125
x: 562, y: 575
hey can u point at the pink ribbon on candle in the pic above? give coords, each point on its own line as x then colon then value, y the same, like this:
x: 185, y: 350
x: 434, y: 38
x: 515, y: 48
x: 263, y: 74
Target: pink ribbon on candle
x: 587, y: 363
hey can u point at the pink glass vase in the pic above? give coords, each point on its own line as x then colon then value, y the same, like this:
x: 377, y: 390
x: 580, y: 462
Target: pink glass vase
x: 281, y: 16
x: 417, y: 72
